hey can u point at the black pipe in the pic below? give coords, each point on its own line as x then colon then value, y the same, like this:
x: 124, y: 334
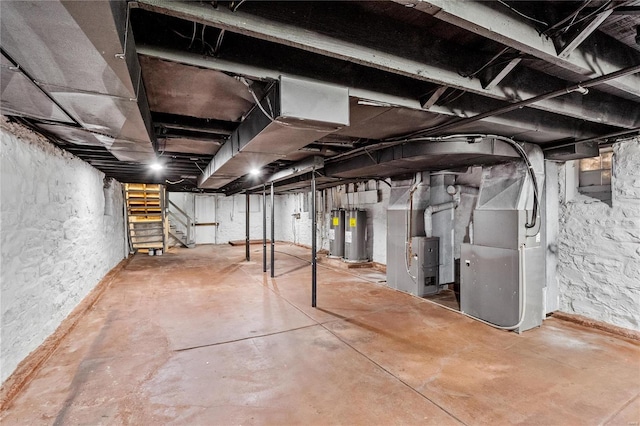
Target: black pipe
x: 456, y: 122
x: 264, y: 228
x: 246, y: 243
x: 314, y: 266
x: 273, y: 222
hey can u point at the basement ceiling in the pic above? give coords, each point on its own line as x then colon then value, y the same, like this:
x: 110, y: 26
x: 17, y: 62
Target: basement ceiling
x: 125, y: 84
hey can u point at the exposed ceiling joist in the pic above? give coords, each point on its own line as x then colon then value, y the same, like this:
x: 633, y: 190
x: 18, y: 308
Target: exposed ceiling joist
x: 493, y: 76
x: 570, y: 45
x: 597, y: 56
x: 298, y: 37
x: 619, y: 112
x: 264, y: 74
x: 517, y: 105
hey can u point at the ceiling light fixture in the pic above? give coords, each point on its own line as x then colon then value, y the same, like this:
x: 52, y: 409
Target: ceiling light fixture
x: 255, y: 172
x: 156, y: 166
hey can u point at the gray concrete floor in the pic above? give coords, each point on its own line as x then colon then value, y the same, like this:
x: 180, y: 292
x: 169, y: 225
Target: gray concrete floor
x: 202, y: 337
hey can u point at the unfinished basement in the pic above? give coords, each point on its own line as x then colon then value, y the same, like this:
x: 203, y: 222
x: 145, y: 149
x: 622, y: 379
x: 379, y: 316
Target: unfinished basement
x: 349, y: 212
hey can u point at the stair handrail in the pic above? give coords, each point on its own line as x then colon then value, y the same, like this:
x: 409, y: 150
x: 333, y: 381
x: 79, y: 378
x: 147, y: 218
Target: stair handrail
x: 190, y: 223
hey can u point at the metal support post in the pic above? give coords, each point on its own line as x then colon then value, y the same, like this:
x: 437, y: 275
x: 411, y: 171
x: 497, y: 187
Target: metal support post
x: 314, y: 266
x: 273, y: 223
x: 246, y: 244
x: 264, y: 228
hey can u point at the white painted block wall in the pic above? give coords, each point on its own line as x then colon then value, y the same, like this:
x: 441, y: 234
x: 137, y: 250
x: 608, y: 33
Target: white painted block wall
x: 231, y: 216
x: 61, y: 230
x: 599, y: 246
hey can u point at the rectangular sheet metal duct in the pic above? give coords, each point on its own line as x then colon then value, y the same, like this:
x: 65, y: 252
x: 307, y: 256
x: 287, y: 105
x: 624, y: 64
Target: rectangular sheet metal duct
x: 301, y: 112
x: 103, y: 92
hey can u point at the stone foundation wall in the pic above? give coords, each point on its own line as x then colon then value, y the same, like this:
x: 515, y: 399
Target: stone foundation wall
x: 599, y: 246
x: 61, y: 230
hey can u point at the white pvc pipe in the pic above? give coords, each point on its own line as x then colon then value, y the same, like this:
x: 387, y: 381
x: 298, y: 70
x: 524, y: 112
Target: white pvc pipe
x: 428, y: 212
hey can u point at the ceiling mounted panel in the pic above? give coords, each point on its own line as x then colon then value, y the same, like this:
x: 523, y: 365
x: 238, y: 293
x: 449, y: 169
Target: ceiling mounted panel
x: 170, y: 87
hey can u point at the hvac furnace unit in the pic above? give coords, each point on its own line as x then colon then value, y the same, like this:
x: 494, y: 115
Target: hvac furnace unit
x: 355, y: 236
x: 423, y: 265
x: 336, y: 233
x: 502, y: 270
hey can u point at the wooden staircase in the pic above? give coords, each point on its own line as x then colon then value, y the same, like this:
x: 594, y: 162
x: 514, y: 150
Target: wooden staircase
x: 146, y: 216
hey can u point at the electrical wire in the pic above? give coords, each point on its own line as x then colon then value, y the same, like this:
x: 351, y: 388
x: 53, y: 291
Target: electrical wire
x: 210, y: 48
x: 216, y: 50
x: 496, y: 56
x: 470, y: 137
x: 603, y: 8
x: 238, y: 5
x: 193, y: 37
x: 274, y: 120
x: 571, y: 17
x: 174, y: 183
x: 522, y: 14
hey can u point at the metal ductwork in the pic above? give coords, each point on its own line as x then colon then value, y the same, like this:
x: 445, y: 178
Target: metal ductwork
x: 75, y: 63
x: 293, y: 114
x: 410, y: 157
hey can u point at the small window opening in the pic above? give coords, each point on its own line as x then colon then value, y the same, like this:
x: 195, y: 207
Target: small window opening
x: 595, y: 176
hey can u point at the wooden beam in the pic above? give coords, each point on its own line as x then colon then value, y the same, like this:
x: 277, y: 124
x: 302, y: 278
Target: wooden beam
x: 570, y: 45
x: 599, y: 55
x: 433, y: 98
x: 494, y: 75
x: 602, y: 109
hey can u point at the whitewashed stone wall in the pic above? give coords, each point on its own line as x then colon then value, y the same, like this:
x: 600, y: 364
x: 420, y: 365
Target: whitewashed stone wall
x: 599, y: 246
x: 61, y: 229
